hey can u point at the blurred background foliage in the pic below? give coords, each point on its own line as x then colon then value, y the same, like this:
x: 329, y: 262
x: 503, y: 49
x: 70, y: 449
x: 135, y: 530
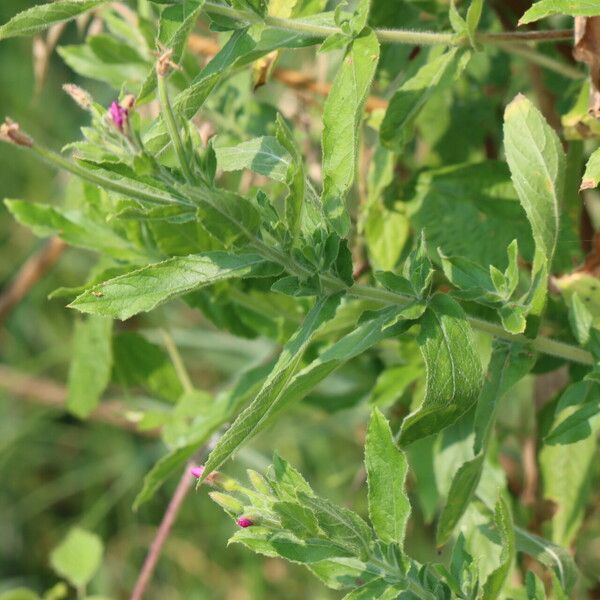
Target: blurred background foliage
x: 57, y: 472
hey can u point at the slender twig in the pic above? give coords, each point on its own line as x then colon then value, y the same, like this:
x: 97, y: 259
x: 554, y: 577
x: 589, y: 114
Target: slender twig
x: 178, y: 364
x: 29, y: 274
x: 49, y: 394
x: 162, y: 533
x: 389, y: 36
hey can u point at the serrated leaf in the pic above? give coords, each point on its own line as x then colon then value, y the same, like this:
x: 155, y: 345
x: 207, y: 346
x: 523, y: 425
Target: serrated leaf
x: 537, y: 163
x: 408, y: 101
x: 146, y: 288
x: 591, y: 178
x: 263, y: 155
x: 389, y: 507
x: 77, y: 557
x: 342, y: 116
x: 253, y: 419
x: 508, y: 364
x: 379, y: 589
x: 91, y: 364
x: 41, y: 17
x: 296, y: 518
x: 504, y: 524
x: 546, y: 8
x: 453, y: 370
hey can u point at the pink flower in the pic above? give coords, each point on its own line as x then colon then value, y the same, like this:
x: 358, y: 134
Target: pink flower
x: 244, y: 522
x: 197, y: 471
x: 118, y: 114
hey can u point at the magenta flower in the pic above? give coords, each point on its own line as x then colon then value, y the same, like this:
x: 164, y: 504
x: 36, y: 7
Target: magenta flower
x: 118, y: 114
x: 245, y: 522
x: 197, y: 471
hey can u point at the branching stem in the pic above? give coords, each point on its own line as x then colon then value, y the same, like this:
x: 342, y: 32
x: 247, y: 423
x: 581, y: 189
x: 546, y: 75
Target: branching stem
x: 388, y: 36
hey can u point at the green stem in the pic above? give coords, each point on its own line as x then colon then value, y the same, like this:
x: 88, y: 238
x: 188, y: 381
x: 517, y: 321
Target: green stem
x: 388, y: 36
x: 172, y: 128
x: 175, y: 356
x: 542, y: 59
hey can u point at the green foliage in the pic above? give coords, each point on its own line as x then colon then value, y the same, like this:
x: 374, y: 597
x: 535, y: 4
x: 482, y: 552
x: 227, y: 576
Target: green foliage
x: 371, y: 246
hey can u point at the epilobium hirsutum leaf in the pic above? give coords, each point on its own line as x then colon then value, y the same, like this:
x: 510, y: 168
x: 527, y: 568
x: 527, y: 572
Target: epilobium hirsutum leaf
x: 91, y: 364
x: 495, y: 582
x: 263, y: 155
x: 41, y: 17
x: 408, y: 101
x: 253, y: 418
x: 389, y: 507
x: 341, y: 126
x: 453, y: 370
x: 537, y: 163
x: 546, y: 8
x: 146, y: 288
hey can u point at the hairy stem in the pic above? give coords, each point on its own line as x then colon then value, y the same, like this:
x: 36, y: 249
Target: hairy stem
x: 389, y: 36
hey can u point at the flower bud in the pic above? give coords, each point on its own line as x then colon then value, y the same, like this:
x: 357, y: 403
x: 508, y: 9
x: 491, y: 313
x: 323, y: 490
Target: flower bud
x: 197, y: 471
x: 118, y: 115
x: 80, y: 96
x: 229, y: 503
x: 11, y: 132
x: 245, y: 522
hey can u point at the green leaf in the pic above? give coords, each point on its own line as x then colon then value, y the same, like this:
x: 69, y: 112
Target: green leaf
x: 453, y: 370
x: 379, y: 589
x: 91, y: 364
x: 461, y: 492
x: 473, y: 18
x: 408, y: 101
x: 146, y: 288
x: 546, y: 8
x: 496, y: 580
x: 41, y: 17
x: 253, y: 419
x: 591, y: 178
x: 389, y: 507
x: 263, y: 155
x: 508, y: 364
x: 19, y: 594
x: 342, y: 117
x: 538, y: 164
x: 535, y: 587
x: 566, y: 469
x: 77, y: 557
x: 296, y: 518
x: 580, y: 318
x: 73, y: 227
x: 294, y: 177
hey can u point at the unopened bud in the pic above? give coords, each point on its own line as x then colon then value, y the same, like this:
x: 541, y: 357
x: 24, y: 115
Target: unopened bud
x: 197, y: 471
x: 227, y: 502
x: 245, y: 522
x: 164, y: 63
x: 128, y: 102
x: 11, y: 132
x: 79, y: 95
x: 118, y: 115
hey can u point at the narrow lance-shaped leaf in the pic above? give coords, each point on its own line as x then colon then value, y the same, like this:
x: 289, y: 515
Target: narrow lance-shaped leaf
x: 341, y: 126
x: 537, y: 163
x: 146, y: 288
x: 408, y: 101
x: 546, y: 8
x: 280, y: 392
x: 453, y: 370
x: 389, y: 507
x: 496, y: 580
x: 91, y: 364
x: 252, y: 419
x: 38, y: 18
